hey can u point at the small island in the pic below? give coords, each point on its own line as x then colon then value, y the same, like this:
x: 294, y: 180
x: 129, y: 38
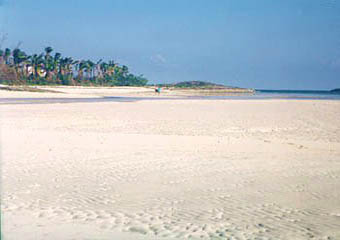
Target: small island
x: 335, y: 91
x: 205, y: 88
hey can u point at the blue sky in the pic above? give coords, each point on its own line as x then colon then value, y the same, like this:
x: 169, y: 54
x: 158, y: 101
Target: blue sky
x: 293, y: 44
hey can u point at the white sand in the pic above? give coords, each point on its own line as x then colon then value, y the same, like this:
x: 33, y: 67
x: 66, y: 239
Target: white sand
x: 77, y: 92
x: 229, y: 169
x: 95, y: 92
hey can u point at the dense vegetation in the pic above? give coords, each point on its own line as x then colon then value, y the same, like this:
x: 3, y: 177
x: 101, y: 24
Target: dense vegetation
x: 16, y: 67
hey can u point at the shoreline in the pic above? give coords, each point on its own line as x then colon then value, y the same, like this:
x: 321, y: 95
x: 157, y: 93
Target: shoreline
x: 16, y: 101
x: 78, y: 91
x: 61, y: 94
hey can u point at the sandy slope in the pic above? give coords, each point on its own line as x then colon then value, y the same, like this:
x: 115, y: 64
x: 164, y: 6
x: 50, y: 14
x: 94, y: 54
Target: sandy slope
x: 237, y: 169
x: 77, y: 92
x: 90, y: 92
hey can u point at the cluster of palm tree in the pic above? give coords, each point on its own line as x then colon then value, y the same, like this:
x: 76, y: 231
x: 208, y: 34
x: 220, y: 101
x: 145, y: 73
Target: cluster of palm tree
x: 48, y: 68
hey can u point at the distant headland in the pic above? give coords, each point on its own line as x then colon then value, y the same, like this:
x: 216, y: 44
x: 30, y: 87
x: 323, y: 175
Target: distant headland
x: 336, y: 90
x: 52, y: 69
x: 206, y: 88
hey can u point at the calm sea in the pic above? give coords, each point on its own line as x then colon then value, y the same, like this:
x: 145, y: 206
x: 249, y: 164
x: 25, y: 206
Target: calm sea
x: 280, y: 94
x: 297, y: 94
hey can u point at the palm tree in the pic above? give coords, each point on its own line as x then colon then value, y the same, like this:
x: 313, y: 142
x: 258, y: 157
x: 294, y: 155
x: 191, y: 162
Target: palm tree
x: 103, y: 72
x: 66, y: 70
x: 56, y: 66
x: 48, y: 65
x: 19, y: 57
x: 2, y: 53
x: 125, y: 70
x: 20, y: 61
x: 81, y: 66
x: 37, y: 62
x: 7, y: 55
x: 69, y: 65
x: 48, y: 51
x: 97, y: 72
x: 89, y: 68
x: 61, y: 71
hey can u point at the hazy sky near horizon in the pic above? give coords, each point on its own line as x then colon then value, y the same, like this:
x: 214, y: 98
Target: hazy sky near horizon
x: 293, y: 44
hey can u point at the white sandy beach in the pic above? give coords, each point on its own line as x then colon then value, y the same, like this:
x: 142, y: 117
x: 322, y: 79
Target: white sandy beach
x: 170, y: 169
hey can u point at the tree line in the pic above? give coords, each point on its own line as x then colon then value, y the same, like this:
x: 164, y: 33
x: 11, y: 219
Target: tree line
x: 17, y: 67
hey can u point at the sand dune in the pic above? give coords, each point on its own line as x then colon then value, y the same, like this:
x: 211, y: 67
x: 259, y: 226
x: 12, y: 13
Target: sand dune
x: 180, y: 169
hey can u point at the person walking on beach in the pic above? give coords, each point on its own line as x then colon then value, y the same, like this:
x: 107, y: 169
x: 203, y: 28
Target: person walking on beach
x: 158, y: 90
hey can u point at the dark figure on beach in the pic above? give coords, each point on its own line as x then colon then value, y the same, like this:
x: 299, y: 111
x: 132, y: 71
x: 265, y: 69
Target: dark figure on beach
x: 158, y: 90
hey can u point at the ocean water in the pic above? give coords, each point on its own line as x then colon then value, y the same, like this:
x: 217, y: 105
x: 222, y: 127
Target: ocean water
x: 297, y: 94
x: 280, y: 94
